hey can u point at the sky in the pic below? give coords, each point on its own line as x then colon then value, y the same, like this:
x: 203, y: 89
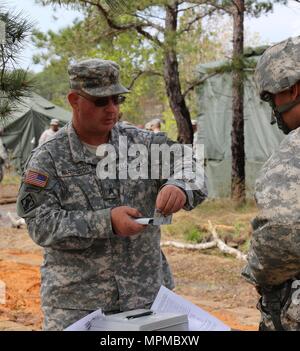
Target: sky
x: 271, y: 28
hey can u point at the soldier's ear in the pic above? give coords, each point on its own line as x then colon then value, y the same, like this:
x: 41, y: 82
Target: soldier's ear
x: 295, y: 91
x: 73, y: 99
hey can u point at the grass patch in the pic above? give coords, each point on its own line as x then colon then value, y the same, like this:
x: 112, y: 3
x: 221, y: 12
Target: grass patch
x: 211, y: 206
x: 239, y: 228
x: 233, y: 224
x: 194, y: 235
x: 11, y: 179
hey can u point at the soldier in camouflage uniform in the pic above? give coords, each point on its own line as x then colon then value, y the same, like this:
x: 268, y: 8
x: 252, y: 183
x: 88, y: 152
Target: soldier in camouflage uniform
x: 274, y: 256
x: 95, y: 254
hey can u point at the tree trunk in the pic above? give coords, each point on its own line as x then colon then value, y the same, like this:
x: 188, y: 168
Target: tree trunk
x: 237, y: 133
x: 172, y: 81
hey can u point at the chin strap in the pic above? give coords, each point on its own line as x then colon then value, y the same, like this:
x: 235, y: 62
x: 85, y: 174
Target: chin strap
x: 277, y: 114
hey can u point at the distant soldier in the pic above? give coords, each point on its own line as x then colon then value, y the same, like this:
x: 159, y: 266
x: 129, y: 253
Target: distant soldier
x: 148, y: 126
x: 274, y: 256
x: 155, y: 125
x: 50, y: 132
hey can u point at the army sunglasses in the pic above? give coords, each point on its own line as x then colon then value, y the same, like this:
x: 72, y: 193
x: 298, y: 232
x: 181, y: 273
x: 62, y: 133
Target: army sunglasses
x: 104, y: 100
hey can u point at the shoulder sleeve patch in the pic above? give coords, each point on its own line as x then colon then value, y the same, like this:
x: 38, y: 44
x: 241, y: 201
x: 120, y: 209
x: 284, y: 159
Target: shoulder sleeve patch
x: 36, y: 178
x: 28, y: 203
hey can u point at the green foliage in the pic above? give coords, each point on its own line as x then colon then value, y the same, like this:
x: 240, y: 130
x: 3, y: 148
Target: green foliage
x: 136, y: 52
x: 127, y: 49
x: 169, y: 127
x: 238, y: 228
x: 132, y: 51
x: 52, y: 83
x: 252, y: 7
x: 10, y: 179
x: 14, y: 82
x: 193, y: 234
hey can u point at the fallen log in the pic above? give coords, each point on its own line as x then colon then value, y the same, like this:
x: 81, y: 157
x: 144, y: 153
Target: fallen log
x: 16, y: 223
x: 223, y: 247
x: 217, y: 242
x: 179, y: 245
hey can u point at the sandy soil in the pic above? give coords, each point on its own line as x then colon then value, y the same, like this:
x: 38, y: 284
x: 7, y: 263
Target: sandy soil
x: 208, y: 279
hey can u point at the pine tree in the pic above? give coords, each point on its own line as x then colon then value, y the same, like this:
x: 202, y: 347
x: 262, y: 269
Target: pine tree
x: 14, y: 82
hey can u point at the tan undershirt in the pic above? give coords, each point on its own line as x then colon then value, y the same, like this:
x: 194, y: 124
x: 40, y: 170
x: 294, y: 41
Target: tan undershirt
x: 91, y: 148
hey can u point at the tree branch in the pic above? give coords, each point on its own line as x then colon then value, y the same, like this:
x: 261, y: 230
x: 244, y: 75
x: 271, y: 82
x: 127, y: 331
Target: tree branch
x: 123, y: 27
x: 140, y: 73
x: 223, y: 247
x: 216, y: 242
x: 198, y: 82
x: 236, y: 5
x: 150, y: 24
x: 220, y: 8
x: 152, y: 16
x: 197, y: 18
x: 148, y: 36
x: 188, y: 8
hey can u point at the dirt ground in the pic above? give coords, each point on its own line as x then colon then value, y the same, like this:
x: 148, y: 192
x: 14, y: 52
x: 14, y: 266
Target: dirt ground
x: 208, y: 278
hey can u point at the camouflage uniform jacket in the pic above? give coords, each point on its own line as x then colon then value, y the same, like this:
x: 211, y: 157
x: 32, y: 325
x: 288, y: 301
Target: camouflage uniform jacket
x: 86, y: 266
x: 274, y: 255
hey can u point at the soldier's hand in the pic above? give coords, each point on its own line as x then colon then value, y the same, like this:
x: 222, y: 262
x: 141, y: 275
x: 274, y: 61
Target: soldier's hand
x: 123, y: 223
x: 170, y: 199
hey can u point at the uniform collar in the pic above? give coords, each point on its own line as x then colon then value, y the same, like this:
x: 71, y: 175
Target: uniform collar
x: 80, y: 153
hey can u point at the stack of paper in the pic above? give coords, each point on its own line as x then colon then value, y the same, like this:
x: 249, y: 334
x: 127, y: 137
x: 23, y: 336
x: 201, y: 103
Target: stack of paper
x: 165, y: 302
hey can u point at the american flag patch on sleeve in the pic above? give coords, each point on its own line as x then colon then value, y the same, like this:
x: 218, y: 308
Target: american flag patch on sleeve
x: 36, y: 178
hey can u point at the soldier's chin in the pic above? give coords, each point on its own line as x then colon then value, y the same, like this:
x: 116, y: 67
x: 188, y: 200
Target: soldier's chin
x: 109, y: 123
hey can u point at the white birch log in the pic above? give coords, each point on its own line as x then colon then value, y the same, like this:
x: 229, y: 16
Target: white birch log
x: 16, y: 223
x: 223, y: 247
x: 217, y: 242
x: 179, y: 245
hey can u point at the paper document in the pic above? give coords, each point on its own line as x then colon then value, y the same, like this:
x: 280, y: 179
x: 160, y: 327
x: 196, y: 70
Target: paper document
x: 165, y: 302
x: 199, y: 320
x: 87, y: 322
x: 158, y: 219
x: 144, y: 220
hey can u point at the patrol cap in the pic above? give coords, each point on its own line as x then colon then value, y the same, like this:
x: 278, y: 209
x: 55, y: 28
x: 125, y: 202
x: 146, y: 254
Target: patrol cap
x: 155, y: 122
x: 96, y: 77
x: 278, y: 69
x: 54, y: 122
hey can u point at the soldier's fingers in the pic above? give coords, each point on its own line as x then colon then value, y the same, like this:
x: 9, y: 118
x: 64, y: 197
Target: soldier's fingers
x: 170, y: 204
x: 157, y: 203
x: 133, y: 212
x: 134, y: 228
x: 179, y: 203
x: 162, y: 199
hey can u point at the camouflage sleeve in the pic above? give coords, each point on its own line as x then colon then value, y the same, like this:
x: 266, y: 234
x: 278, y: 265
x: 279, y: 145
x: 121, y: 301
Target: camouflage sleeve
x: 187, y: 173
x: 274, y: 254
x: 49, y: 224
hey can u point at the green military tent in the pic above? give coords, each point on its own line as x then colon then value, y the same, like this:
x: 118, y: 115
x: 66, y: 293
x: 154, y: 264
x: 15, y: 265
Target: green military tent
x: 24, y: 127
x: 215, y: 124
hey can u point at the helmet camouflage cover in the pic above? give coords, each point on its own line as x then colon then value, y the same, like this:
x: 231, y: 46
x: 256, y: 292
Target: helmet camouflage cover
x: 278, y: 69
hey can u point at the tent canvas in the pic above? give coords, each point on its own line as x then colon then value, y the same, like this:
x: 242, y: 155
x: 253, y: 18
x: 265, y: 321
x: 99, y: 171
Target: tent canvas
x: 24, y: 128
x: 215, y: 125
